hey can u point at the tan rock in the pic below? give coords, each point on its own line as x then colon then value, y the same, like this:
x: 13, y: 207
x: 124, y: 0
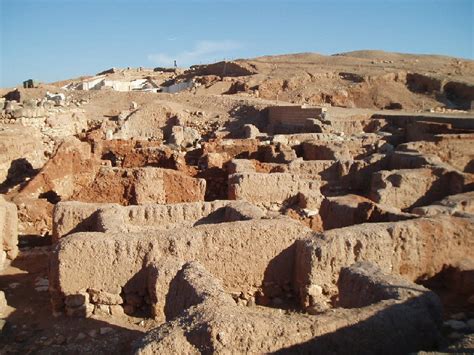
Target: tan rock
x: 9, y: 228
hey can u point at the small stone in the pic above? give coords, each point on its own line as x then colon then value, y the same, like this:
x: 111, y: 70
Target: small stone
x: 315, y: 290
x: 3, y: 301
x: 48, y: 342
x: 470, y: 323
x: 221, y: 337
x: 40, y: 281
x: 471, y: 299
x: 3, y: 324
x: 459, y: 316
x: 104, y: 297
x: 235, y: 295
x: 80, y: 336
x: 242, y: 302
x: 214, y: 160
x: 455, y: 335
x: 92, y: 333
x: 60, y: 339
x: 102, y: 309
x: 14, y: 285
x: 41, y: 289
x: 250, y: 131
x: 85, y: 310
x: 105, y: 330
x: 310, y: 213
x: 75, y: 300
x: 109, y: 135
x: 455, y: 324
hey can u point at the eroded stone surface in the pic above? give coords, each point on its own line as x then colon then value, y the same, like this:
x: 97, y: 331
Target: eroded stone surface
x: 247, y: 329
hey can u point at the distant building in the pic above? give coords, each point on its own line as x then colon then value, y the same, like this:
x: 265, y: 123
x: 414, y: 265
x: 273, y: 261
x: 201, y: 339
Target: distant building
x: 30, y: 83
x: 101, y: 82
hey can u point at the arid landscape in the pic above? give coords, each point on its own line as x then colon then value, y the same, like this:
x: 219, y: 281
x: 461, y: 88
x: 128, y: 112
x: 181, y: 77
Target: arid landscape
x: 298, y: 203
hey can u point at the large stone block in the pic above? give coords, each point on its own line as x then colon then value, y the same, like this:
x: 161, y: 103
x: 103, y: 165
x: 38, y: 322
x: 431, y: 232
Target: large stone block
x: 8, y: 228
x: 72, y: 216
x: 339, y: 148
x: 72, y: 167
x: 142, y: 185
x: 417, y: 248
x: 21, y: 149
x: 274, y: 188
x: 121, y: 262
x: 347, y: 210
x: 204, y: 319
x: 408, y: 188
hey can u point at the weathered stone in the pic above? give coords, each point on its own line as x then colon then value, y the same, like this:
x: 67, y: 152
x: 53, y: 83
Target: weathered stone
x: 72, y: 216
x: 426, y: 247
x: 121, y: 257
x: 242, y: 211
x: 240, y: 166
x: 83, y: 311
x: 347, y: 210
x: 246, y: 329
x: 9, y: 228
x: 184, y: 137
x: 214, y: 160
x: 102, y: 310
x: 250, y: 131
x: 455, y: 324
x: 410, y: 188
x: 104, y: 298
x: 3, y: 302
x: 279, y: 188
x: 76, y: 300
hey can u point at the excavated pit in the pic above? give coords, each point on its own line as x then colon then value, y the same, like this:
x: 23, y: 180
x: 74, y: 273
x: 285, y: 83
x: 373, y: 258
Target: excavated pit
x: 252, y: 227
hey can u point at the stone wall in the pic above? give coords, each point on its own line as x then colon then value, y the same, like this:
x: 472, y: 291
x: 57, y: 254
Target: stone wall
x: 274, y: 189
x: 120, y: 263
x: 417, y: 248
x: 72, y: 217
x: 204, y: 319
x: 8, y: 231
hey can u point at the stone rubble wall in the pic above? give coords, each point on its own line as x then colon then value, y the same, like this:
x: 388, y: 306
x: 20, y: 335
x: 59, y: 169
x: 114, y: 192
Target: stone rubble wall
x: 274, y: 189
x: 394, y: 319
x: 119, y: 263
x: 417, y: 248
x: 8, y: 231
x: 72, y: 216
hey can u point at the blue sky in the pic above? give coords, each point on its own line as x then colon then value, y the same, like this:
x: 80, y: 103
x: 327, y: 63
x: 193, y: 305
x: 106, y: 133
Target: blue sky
x: 51, y: 40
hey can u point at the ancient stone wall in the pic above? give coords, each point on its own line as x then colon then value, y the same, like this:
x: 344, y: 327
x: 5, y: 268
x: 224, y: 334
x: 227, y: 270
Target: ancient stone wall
x: 417, y: 248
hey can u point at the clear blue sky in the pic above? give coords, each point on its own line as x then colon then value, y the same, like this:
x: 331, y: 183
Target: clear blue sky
x: 51, y: 40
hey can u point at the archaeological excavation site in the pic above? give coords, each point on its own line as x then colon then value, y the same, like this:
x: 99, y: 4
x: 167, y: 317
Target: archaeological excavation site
x: 281, y: 204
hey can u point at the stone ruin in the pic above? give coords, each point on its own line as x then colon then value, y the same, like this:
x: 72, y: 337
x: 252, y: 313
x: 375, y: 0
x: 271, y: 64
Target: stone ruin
x: 301, y: 233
